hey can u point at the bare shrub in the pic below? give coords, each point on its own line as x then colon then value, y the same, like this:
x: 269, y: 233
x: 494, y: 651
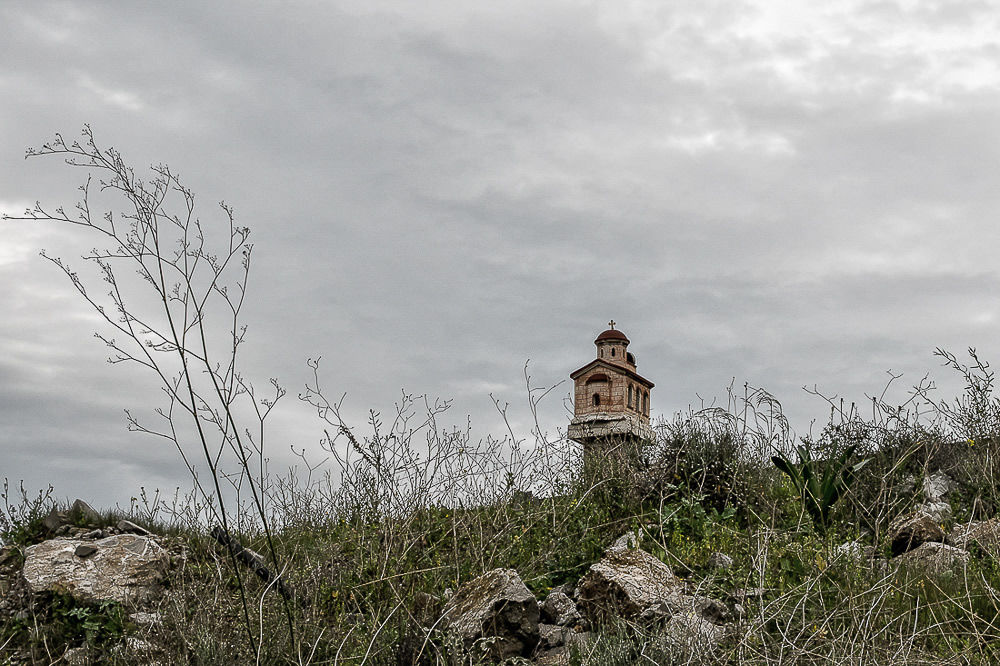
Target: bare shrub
x: 719, y: 454
x: 180, y: 322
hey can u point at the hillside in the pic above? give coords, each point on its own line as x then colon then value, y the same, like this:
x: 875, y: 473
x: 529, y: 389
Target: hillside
x: 696, y: 549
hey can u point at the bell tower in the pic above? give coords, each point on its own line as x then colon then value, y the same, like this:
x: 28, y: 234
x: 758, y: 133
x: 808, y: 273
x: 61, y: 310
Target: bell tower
x: 610, y: 399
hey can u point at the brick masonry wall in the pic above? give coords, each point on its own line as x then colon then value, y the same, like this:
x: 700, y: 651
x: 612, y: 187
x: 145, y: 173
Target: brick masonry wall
x: 614, y: 394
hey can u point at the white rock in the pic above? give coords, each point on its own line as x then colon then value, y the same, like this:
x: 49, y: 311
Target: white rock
x: 985, y: 534
x: 625, y: 583
x: 495, y: 609
x: 627, y: 541
x: 559, y: 609
x: 719, y: 560
x: 126, y: 568
x: 692, y: 639
x: 854, y: 551
x: 935, y: 558
x: 79, y: 656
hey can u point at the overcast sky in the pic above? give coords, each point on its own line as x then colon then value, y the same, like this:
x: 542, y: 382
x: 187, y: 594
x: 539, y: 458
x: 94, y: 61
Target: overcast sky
x: 782, y: 193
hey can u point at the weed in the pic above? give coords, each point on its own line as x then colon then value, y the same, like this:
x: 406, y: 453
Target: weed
x: 820, y: 484
x: 195, y: 278
x: 21, y: 520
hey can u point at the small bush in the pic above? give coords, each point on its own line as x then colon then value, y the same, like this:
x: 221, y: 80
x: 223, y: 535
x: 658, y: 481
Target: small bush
x: 21, y: 520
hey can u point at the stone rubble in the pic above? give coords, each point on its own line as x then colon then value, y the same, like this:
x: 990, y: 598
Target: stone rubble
x: 719, y: 561
x: 498, y: 611
x: 495, y: 614
x: 911, y: 530
x: 935, y: 558
x: 984, y: 535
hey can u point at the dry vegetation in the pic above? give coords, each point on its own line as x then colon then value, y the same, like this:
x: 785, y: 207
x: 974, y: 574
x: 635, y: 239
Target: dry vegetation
x: 371, y: 542
x: 371, y: 550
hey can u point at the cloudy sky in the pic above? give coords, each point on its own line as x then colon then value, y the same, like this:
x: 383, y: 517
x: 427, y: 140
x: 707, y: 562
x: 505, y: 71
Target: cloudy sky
x: 759, y: 191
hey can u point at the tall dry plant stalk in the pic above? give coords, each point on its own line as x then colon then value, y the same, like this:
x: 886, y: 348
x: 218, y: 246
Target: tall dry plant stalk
x: 181, y: 322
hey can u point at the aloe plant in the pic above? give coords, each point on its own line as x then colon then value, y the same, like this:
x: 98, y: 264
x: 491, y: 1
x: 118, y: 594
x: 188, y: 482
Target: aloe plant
x: 820, y: 483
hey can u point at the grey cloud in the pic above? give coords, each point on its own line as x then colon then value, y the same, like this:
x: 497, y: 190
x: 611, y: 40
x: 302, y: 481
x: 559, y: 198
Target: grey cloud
x: 440, y: 193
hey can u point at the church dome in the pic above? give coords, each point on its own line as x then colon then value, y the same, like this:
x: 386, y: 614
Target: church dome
x: 611, y: 334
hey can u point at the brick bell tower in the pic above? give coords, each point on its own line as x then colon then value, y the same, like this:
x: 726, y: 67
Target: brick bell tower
x: 610, y: 399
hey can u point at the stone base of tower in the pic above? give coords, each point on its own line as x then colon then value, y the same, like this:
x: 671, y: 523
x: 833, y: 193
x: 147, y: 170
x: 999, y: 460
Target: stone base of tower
x: 606, y: 426
x: 612, y: 444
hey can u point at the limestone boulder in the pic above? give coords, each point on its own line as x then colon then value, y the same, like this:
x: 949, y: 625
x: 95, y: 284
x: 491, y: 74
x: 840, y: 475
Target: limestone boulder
x: 557, y: 643
x: 909, y: 531
x: 79, y: 514
x: 637, y: 586
x: 625, y: 583
x: 78, y: 656
x: 719, y: 561
x: 984, y: 534
x: 560, y: 610
x: 935, y: 558
x: 935, y: 488
x: 627, y: 541
x: 497, y: 612
x: 126, y: 568
x: 939, y: 511
x: 551, y: 637
x: 691, y: 639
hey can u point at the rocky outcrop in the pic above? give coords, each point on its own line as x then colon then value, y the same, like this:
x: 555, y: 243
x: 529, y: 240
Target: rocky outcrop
x: 559, y: 609
x: 984, y: 535
x: 495, y: 612
x: 126, y: 568
x: 909, y: 531
x: 79, y: 515
x: 624, y: 583
x: 636, y: 585
x: 935, y: 558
